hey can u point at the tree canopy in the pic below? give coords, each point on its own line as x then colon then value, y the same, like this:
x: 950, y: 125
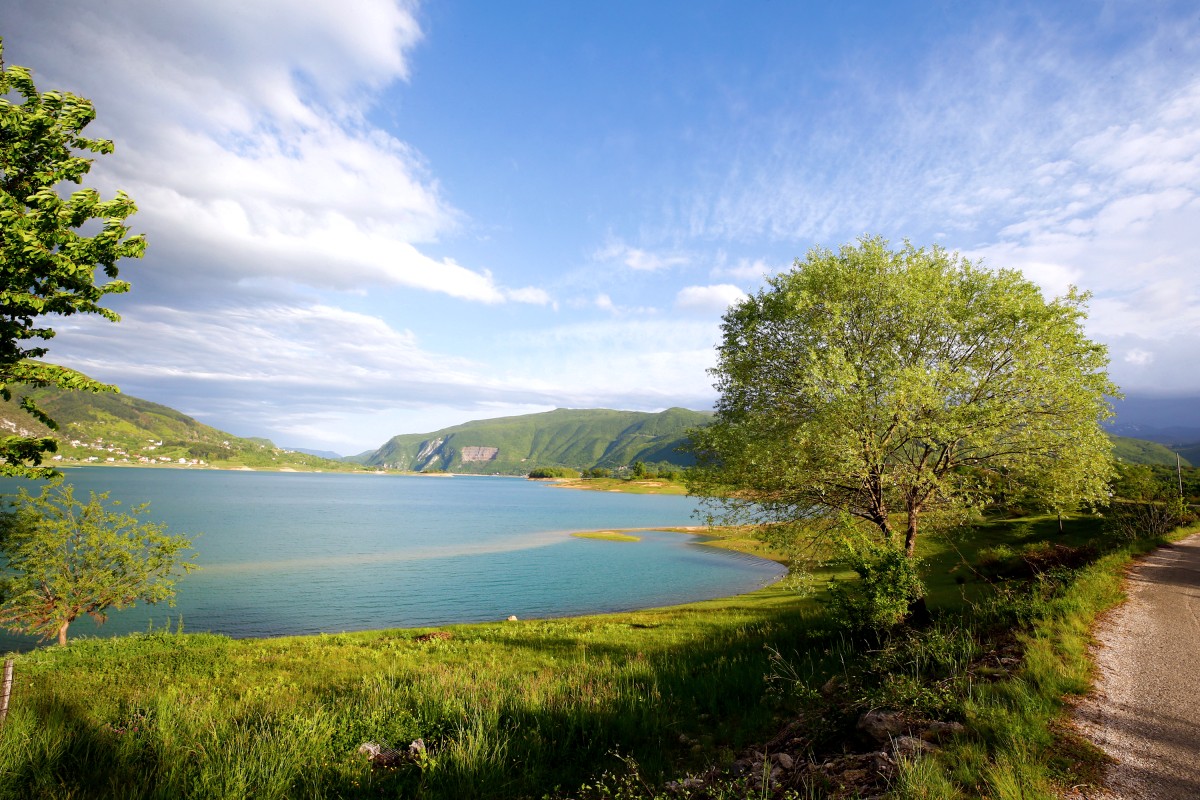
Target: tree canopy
x: 48, y: 265
x: 912, y: 382
x: 64, y: 558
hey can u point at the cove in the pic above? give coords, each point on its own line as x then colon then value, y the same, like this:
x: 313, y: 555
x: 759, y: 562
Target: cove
x: 302, y: 553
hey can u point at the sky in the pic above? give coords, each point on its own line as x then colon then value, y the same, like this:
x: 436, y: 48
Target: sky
x: 372, y: 217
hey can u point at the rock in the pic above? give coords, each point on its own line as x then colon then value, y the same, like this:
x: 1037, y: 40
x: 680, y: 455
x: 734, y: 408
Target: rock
x: 417, y: 748
x: 881, y: 726
x: 910, y: 746
x: 937, y: 731
x: 381, y: 756
x: 784, y: 760
x: 512, y: 618
x: 830, y: 686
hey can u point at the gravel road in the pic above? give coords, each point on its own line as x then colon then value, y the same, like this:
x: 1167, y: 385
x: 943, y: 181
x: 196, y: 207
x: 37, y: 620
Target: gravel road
x: 1145, y: 712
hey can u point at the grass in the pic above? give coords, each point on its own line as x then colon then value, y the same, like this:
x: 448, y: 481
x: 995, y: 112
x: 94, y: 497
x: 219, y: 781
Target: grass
x: 629, y: 486
x: 1021, y: 744
x: 548, y: 707
x: 608, y: 536
x: 508, y: 710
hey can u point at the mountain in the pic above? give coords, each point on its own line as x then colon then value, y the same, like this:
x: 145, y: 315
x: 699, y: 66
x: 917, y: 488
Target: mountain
x: 332, y: 456
x: 576, y: 438
x: 1140, y: 451
x: 1171, y: 420
x: 111, y: 428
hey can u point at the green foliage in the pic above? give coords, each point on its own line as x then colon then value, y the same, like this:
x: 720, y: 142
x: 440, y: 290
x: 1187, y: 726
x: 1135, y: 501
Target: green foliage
x: 47, y: 266
x: 887, y: 586
x: 553, y: 472
x: 872, y: 382
x: 581, y: 439
x: 64, y: 557
x: 1148, y: 503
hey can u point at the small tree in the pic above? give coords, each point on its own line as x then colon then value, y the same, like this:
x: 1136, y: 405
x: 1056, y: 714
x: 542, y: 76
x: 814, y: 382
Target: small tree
x: 63, y: 558
x: 875, y: 382
x: 46, y: 265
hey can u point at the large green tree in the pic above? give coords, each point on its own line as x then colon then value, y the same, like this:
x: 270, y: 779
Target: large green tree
x: 902, y: 384
x: 52, y: 244
x: 63, y: 558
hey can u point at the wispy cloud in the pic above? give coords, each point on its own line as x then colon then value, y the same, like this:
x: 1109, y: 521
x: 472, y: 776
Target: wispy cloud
x: 708, y: 299
x: 638, y: 259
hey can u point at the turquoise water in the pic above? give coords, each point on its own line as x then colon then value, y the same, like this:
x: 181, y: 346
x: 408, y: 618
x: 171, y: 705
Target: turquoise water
x: 298, y: 553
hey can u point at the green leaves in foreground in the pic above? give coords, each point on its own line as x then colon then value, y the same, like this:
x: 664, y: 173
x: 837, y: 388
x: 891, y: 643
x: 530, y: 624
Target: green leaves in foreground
x: 64, y: 557
x: 47, y: 266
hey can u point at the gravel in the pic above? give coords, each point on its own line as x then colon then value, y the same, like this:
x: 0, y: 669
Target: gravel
x: 1145, y: 709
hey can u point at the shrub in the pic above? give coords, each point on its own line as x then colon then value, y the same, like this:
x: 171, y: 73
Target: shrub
x: 887, y: 587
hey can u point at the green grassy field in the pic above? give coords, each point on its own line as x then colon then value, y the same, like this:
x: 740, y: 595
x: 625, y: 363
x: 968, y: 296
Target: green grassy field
x: 541, y: 708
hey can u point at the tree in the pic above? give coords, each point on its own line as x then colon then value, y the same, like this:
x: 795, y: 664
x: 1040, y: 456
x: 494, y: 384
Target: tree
x: 63, y: 558
x: 876, y: 382
x: 47, y: 265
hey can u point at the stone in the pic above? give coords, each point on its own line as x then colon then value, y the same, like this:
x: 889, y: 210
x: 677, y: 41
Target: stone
x: 881, y: 726
x: 784, y: 760
x: 512, y: 618
x: 937, y: 731
x: 910, y: 746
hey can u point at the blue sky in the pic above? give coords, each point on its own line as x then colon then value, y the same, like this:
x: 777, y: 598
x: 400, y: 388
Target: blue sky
x: 372, y: 218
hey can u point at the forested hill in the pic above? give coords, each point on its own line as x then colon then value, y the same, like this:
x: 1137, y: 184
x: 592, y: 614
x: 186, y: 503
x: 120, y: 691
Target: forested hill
x: 1140, y: 451
x: 576, y: 438
x: 588, y: 438
x: 111, y: 428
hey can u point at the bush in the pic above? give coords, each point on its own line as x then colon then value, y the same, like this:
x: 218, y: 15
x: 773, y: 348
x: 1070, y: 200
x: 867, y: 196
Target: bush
x: 553, y: 472
x: 887, y: 587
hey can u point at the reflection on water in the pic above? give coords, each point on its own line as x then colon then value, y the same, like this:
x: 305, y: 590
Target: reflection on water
x: 292, y: 553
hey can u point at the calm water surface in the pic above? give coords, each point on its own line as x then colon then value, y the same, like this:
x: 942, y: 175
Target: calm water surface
x: 297, y: 553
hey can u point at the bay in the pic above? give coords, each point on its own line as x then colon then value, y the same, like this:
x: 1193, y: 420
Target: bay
x: 302, y: 553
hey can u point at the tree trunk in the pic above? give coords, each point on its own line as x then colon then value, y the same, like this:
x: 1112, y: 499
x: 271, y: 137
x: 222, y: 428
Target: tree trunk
x: 910, y: 532
x: 62, y: 632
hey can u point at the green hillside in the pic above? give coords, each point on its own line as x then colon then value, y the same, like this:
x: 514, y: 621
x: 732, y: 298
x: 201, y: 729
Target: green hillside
x: 118, y: 429
x: 1140, y: 451
x: 576, y: 438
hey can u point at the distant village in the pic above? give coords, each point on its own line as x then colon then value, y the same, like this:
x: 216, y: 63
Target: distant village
x: 117, y: 454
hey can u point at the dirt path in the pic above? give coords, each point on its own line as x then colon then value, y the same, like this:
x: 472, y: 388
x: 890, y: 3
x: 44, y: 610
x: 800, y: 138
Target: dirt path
x: 1145, y: 712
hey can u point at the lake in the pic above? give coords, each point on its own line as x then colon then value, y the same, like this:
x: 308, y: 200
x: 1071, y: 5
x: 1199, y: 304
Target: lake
x: 301, y: 553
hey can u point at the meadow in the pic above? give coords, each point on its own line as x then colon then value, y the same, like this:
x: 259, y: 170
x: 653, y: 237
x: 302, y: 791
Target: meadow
x: 599, y: 706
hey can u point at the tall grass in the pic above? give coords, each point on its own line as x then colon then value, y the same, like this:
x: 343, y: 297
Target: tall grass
x: 507, y: 710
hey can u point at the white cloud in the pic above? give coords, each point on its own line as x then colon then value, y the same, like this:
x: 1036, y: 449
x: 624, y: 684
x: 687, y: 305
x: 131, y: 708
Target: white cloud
x: 707, y: 299
x: 531, y: 295
x: 241, y: 131
x: 744, y: 270
x: 1139, y: 357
